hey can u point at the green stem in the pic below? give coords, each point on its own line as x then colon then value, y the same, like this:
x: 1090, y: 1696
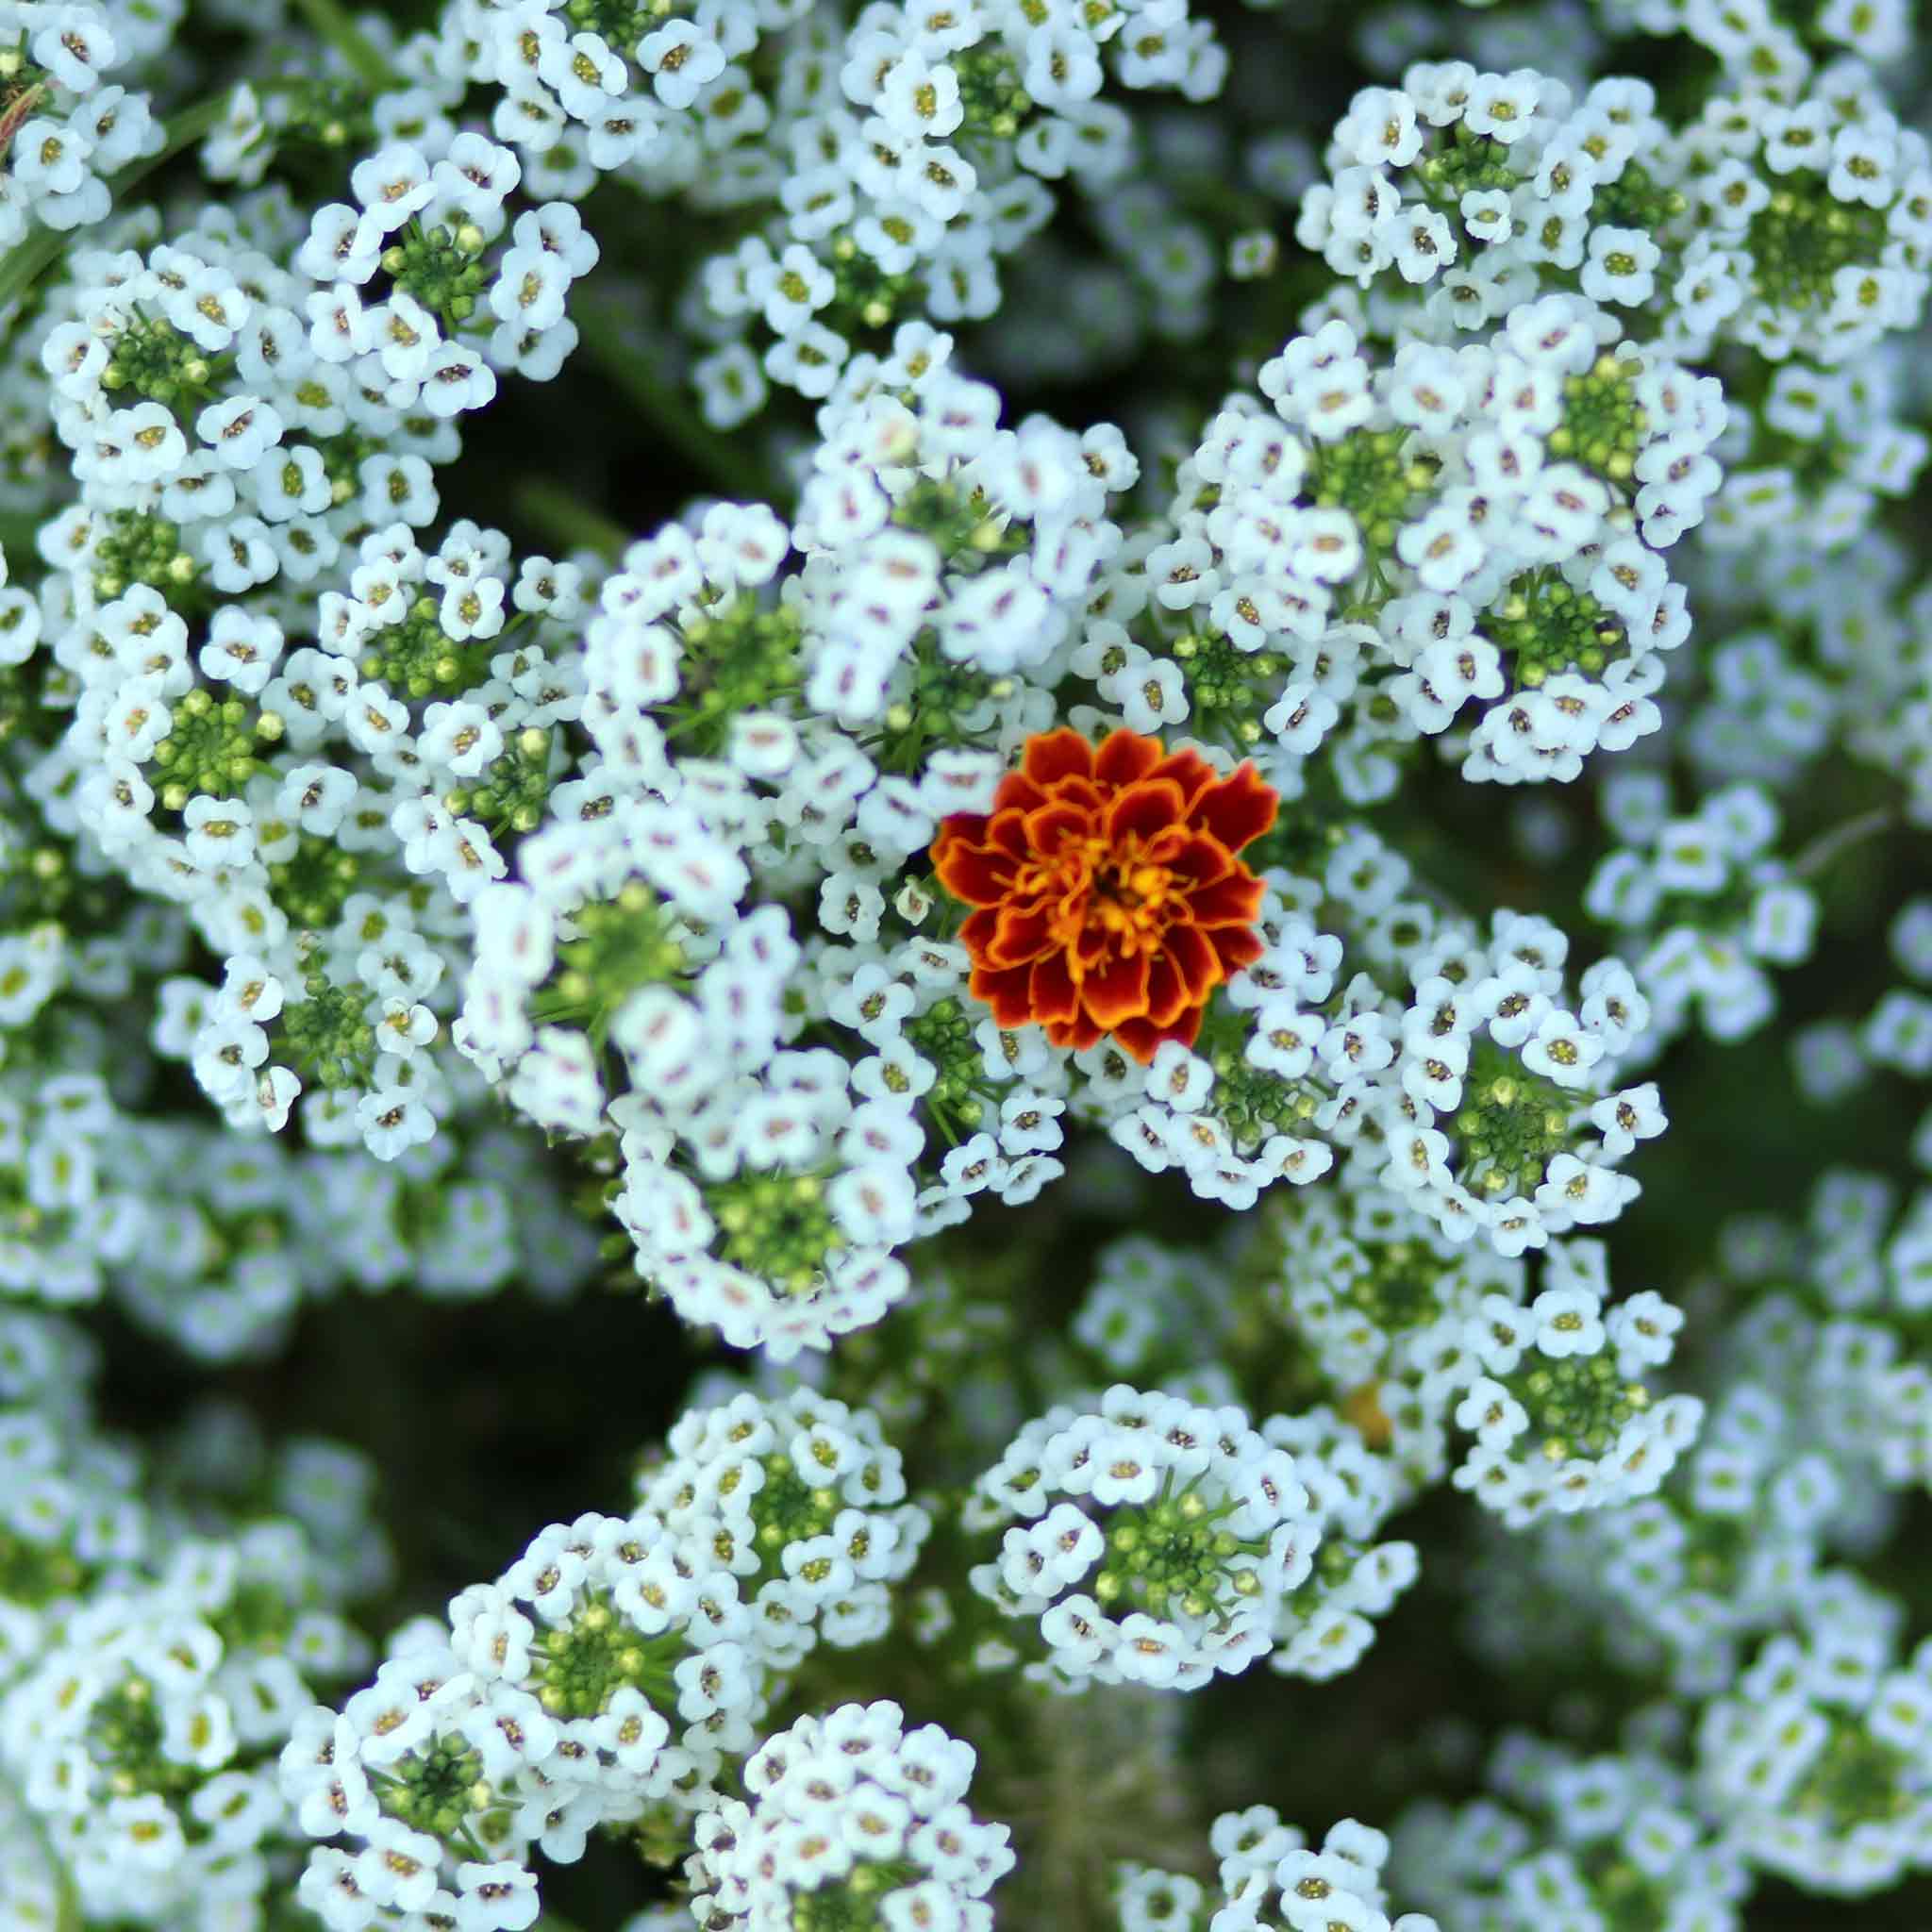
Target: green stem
x: 26, y: 261
x: 333, y: 24
x: 732, y: 470
x: 1838, y: 838
x: 18, y: 529
x: 563, y: 519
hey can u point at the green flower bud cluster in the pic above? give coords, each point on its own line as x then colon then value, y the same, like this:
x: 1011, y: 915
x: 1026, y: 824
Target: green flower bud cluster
x: 418, y: 659
x: 258, y: 1615
x: 1635, y: 200
x: 124, y: 1734
x: 1465, y: 164
x: 313, y: 885
x: 1578, y: 1403
x: 1545, y: 626
x: 579, y: 1665
x: 960, y: 520
x: 738, y: 657
x: 1174, y: 1551
x: 943, y: 1035
x: 621, y: 945
x: 618, y: 23
x: 1250, y: 1102
x: 776, y: 1226
x: 41, y: 886
x: 1400, y: 1287
x: 333, y: 113
x: 153, y: 357
x: 944, y: 704
x: 441, y: 267
x: 1510, y: 1124
x: 440, y: 1789
x: 1365, y: 474
x: 513, y: 791
x: 991, y: 95
x: 1804, y: 235
x: 1227, y: 686
x: 327, y: 1034
x: 1335, y: 1558
x: 789, y: 1508
x: 210, y: 748
x: 33, y: 1572
x: 852, y: 1904
x: 864, y: 296
x: 1856, y: 1778
x: 1604, y: 425
x: 141, y: 547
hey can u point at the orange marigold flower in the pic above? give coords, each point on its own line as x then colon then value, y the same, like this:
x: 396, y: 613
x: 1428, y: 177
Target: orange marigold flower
x: 1107, y: 891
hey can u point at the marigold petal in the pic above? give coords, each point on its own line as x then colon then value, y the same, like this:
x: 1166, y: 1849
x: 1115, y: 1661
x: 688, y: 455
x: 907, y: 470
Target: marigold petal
x: 1239, y: 809
x: 1194, y: 959
x: 976, y: 931
x: 1167, y: 991
x: 1087, y: 946
x: 1021, y: 933
x: 1116, y: 990
x: 1006, y: 832
x: 1018, y: 792
x: 1054, y: 825
x: 1005, y: 990
x: 1143, y: 810
x: 1189, y: 770
x: 1232, y: 901
x: 1051, y: 989
x: 1199, y: 857
x: 1235, y: 947
x: 970, y: 872
x: 1078, y: 1033
x: 1062, y: 754
x: 1142, y: 1038
x: 1124, y: 758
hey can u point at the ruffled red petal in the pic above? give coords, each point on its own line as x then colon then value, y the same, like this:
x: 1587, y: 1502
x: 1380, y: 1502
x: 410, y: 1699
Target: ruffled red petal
x: 1054, y: 825
x: 1141, y: 1039
x: 1052, y: 990
x: 1195, y: 960
x: 1022, y: 933
x: 1237, y: 810
x: 1116, y: 990
x: 1052, y: 755
x: 1143, y: 811
x: 1007, y: 990
x: 972, y: 874
x: 1232, y: 901
x: 1124, y: 758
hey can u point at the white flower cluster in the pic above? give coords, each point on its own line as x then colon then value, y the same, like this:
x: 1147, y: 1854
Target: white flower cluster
x: 541, y: 1710
x: 1453, y: 1075
x: 845, y: 1815
x: 1576, y: 1839
x: 807, y: 1497
x: 914, y: 156
x: 614, y: 1671
x: 1560, y: 1420
x: 1776, y: 1758
x: 1158, y: 1543
x: 1272, y: 1880
x: 154, y: 1658
x: 1705, y: 901
x: 68, y: 127
x: 1792, y: 224
x: 1473, y: 525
